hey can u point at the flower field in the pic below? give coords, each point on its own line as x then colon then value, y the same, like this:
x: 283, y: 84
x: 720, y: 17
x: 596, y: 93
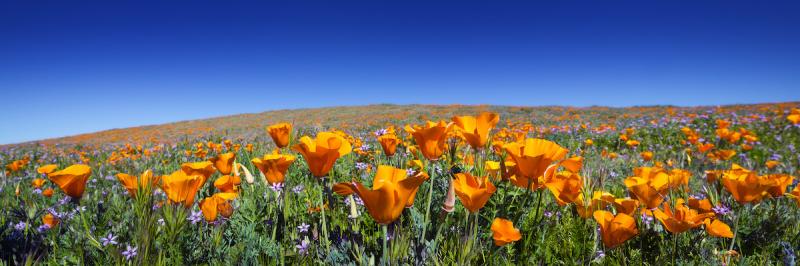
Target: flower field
x: 415, y: 185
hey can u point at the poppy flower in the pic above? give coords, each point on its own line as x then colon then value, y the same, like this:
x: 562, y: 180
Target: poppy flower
x: 678, y: 177
x: 588, y: 142
x: 681, y: 218
x: 274, y: 166
x: 723, y: 155
x: 389, y: 143
x: 795, y: 195
x: 280, y: 134
x: 632, y: 143
x: 72, y: 180
x: 780, y: 183
x: 228, y: 184
x: 131, y: 183
x: 321, y: 153
x: 701, y: 205
x: 181, y: 187
x: 771, y: 164
x: 431, y: 138
x: 217, y: 204
x: 599, y: 201
x: 794, y: 116
x: 392, y: 190
x: 566, y: 187
x: 626, y: 205
x: 537, y: 159
x: 48, y: 192
x: 473, y: 191
x: 717, y: 228
x: 503, y: 232
x: 476, y: 129
x: 224, y: 162
x: 46, y: 169
x: 704, y: 147
x: 745, y: 185
x: 646, y: 155
x: 615, y: 230
x: 50, y: 220
x: 648, y: 185
x: 204, y: 169
x: 37, y: 182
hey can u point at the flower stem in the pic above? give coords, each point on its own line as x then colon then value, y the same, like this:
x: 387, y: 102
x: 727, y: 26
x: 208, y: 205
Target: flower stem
x: 385, y: 245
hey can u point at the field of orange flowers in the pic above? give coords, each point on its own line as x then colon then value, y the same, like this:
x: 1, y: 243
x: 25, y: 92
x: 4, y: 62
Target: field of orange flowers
x: 415, y: 185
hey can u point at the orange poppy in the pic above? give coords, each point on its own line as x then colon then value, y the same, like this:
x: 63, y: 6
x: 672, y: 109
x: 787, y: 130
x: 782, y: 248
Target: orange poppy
x: 217, y: 204
x: 503, y: 232
x: 224, y: 162
x: 47, y: 192
x: 476, y: 129
x: 646, y: 156
x: 181, y: 187
x: 599, y: 201
x: 321, y: 153
x: 681, y: 218
x: 388, y: 143
x: 228, y: 184
x: 745, y: 185
x: 204, y: 169
x: 280, y: 134
x: 626, y: 205
x: 718, y: 228
x: 780, y: 183
x: 794, y: 116
x: 274, y: 166
x: 566, y: 187
x: 46, y: 169
x: 392, y: 190
x: 50, y: 220
x: 648, y: 185
x: 431, y: 138
x: 473, y: 191
x: 615, y: 230
x: 701, y: 205
x: 536, y: 160
x: 37, y: 182
x: 72, y: 180
x: 131, y: 183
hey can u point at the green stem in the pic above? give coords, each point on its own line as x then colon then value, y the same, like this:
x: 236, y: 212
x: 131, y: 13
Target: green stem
x: 322, y: 212
x: 385, y: 245
x: 427, y: 209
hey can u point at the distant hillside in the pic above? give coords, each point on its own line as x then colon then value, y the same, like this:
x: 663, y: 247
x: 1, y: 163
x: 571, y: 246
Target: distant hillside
x: 249, y: 126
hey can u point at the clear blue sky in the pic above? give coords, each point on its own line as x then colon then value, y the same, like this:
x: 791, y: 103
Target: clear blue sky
x: 69, y: 67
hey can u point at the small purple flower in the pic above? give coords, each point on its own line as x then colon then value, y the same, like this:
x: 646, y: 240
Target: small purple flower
x: 20, y: 226
x: 129, y: 252
x: 361, y: 166
x: 302, y: 247
x: 277, y: 187
x: 647, y: 219
x: 380, y: 132
x: 109, y: 240
x: 43, y: 228
x: 298, y: 189
x: 303, y: 227
x: 410, y: 171
x: 548, y: 214
x: 64, y: 200
x: 721, y: 210
x: 160, y: 221
x: 195, y: 217
x: 37, y: 191
x: 364, y: 147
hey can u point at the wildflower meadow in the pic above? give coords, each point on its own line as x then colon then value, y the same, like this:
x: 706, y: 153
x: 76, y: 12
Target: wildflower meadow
x: 415, y: 185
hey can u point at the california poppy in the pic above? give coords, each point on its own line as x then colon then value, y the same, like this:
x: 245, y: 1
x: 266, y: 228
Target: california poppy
x: 37, y: 182
x: 615, y: 230
x: 274, y: 166
x: 431, y: 138
x: 46, y: 169
x: 204, y: 169
x: 389, y: 143
x: 50, y: 220
x: 536, y: 159
x: 181, y: 187
x: 566, y: 187
x: 794, y: 116
x: 745, y: 185
x: 391, y: 191
x: 717, y: 228
x: 780, y: 183
x: 648, y: 185
x: 626, y: 205
x: 72, y: 180
x: 321, y: 153
x: 280, y: 134
x: 47, y: 192
x: 228, y: 184
x: 473, y: 191
x: 646, y: 155
x: 476, y: 129
x: 503, y: 232
x: 599, y: 201
x: 131, y: 183
x: 681, y: 218
x: 217, y: 204
x: 701, y: 205
x: 224, y: 162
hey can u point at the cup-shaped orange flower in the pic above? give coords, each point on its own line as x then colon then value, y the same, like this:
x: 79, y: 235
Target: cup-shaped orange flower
x: 680, y: 219
x: 280, y: 134
x: 794, y: 116
x: 476, y: 129
x: 536, y: 159
x: 566, y: 187
x: 217, y: 204
x: 391, y: 191
x: 72, y: 180
x: 50, y: 220
x: 626, y: 205
x: 701, y: 205
x: 389, y: 143
x: 132, y: 183
x: 228, y: 184
x: 431, y: 138
x: 321, y: 153
x: 745, y: 185
x: 204, y: 169
x: 37, y: 182
x: 473, y: 191
x: 780, y: 182
x: 718, y: 228
x: 503, y: 232
x: 649, y: 184
x: 274, y: 166
x: 599, y: 201
x: 224, y: 162
x: 181, y: 188
x: 46, y: 169
x: 615, y: 230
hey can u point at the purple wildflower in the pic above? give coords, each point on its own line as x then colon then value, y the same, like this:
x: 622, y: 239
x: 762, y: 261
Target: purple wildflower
x: 129, y: 252
x: 109, y: 240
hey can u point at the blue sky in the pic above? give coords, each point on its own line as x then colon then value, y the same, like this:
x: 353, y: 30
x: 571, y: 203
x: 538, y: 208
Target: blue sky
x: 69, y: 67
